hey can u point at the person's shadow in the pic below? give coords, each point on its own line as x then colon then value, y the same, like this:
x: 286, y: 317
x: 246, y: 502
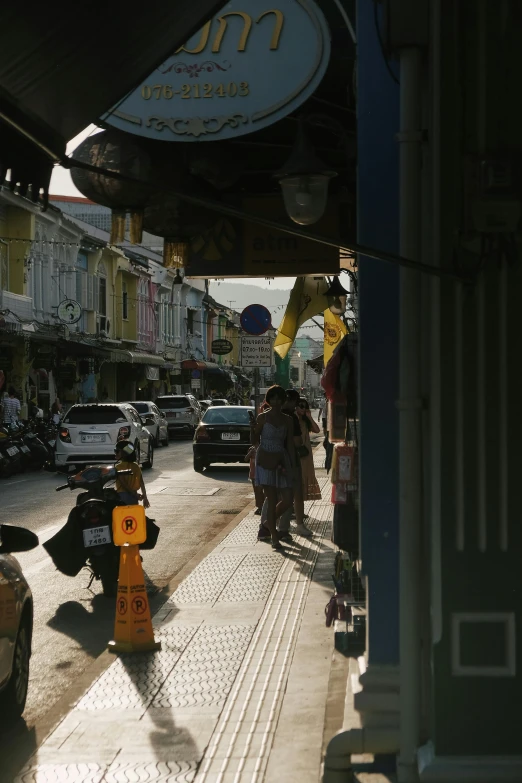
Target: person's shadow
x: 90, y: 629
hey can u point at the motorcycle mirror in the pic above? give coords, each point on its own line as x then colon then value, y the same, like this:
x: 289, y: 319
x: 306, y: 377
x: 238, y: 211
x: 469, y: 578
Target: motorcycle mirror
x: 16, y: 539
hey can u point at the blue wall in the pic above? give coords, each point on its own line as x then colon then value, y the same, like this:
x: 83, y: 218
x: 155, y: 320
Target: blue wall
x: 378, y: 226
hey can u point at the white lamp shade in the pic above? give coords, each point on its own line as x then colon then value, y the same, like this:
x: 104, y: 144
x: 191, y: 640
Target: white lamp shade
x: 305, y: 197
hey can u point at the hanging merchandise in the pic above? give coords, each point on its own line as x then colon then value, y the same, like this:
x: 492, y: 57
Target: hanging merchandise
x: 343, y: 465
x: 337, y: 421
x: 339, y: 493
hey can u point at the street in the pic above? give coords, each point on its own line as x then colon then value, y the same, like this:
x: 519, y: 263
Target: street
x: 73, y: 624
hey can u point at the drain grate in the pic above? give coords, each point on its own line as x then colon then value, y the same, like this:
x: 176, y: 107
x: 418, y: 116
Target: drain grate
x: 230, y: 511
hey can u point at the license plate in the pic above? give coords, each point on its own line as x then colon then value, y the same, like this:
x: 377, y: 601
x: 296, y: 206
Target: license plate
x: 171, y: 415
x: 25, y: 449
x: 230, y: 436
x: 93, y: 438
x: 12, y: 451
x: 52, y: 443
x: 96, y: 536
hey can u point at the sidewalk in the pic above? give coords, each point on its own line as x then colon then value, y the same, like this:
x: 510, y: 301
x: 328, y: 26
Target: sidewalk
x: 238, y: 691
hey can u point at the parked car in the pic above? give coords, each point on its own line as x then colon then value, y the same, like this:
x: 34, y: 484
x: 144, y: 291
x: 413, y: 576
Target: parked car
x: 219, y: 402
x: 182, y: 411
x: 222, y: 436
x: 88, y: 434
x: 155, y: 421
x: 204, y: 404
x: 16, y: 622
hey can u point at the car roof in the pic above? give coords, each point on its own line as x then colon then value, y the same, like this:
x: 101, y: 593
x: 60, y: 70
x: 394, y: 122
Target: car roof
x: 142, y: 402
x: 236, y: 407
x: 170, y: 396
x: 99, y: 404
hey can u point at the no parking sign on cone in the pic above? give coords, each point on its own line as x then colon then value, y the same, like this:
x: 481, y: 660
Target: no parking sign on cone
x: 133, y: 625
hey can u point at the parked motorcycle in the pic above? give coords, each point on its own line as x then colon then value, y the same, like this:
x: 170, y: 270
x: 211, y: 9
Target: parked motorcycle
x: 86, y: 537
x: 10, y: 453
x: 46, y: 432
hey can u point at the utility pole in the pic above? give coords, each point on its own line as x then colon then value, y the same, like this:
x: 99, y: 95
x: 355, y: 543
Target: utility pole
x: 256, y: 388
x: 231, y: 302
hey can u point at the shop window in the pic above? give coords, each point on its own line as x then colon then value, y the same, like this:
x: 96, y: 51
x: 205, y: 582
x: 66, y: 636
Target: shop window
x: 4, y: 266
x: 102, y: 296
x: 125, y: 301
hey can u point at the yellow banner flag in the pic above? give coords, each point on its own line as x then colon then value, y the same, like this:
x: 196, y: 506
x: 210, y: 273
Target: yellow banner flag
x: 307, y: 299
x: 334, y: 331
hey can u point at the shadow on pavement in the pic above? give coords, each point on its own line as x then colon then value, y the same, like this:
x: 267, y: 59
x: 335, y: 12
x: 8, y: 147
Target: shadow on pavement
x: 17, y: 745
x: 90, y: 629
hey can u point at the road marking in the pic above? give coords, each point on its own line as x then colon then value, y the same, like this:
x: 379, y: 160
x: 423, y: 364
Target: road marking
x: 20, y: 481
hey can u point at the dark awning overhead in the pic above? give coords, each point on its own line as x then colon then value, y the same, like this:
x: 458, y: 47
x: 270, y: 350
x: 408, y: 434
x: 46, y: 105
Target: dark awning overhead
x: 59, y: 73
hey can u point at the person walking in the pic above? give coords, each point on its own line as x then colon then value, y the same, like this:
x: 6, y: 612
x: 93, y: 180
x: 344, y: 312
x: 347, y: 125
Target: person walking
x: 311, y: 489
x: 275, y: 462
x: 292, y: 399
x: 128, y: 486
x: 11, y: 407
x: 56, y: 411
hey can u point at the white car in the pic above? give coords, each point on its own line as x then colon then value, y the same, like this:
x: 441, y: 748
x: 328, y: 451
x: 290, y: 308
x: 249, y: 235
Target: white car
x: 154, y: 420
x: 88, y: 434
x: 16, y: 623
x: 182, y: 411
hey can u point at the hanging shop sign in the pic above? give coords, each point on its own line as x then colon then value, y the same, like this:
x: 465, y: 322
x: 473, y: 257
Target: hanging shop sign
x: 221, y: 347
x: 69, y: 311
x: 244, y: 70
x: 256, y: 351
x: 239, y: 248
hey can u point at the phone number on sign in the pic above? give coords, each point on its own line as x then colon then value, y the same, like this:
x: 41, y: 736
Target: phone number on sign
x: 207, y: 90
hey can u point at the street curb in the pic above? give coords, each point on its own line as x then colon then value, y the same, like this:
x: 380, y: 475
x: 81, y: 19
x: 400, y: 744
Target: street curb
x: 18, y: 754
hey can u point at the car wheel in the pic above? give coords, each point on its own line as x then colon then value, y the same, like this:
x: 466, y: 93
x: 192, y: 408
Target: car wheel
x: 199, y: 464
x: 167, y: 440
x: 13, y: 697
x: 157, y: 442
x: 138, y: 452
x: 150, y: 456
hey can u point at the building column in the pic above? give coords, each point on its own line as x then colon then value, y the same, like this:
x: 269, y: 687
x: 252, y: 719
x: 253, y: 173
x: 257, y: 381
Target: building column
x: 378, y: 226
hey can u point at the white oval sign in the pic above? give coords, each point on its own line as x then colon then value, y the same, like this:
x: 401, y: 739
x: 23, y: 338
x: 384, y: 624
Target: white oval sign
x: 245, y: 69
x: 69, y: 311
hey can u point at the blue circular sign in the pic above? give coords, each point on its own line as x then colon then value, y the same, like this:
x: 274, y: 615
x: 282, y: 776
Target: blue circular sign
x: 196, y: 374
x: 256, y: 319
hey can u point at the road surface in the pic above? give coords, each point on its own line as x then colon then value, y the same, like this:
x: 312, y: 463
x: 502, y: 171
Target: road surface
x: 72, y: 623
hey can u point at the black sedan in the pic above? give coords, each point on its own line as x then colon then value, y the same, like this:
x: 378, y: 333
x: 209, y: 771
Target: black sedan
x: 222, y: 436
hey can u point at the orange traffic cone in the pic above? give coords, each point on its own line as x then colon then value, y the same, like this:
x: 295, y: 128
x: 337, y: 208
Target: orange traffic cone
x: 133, y: 625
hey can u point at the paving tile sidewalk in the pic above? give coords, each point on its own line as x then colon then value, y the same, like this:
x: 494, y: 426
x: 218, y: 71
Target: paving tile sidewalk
x: 239, y: 689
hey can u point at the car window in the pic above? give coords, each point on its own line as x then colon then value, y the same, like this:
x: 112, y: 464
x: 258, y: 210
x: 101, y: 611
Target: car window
x: 167, y: 403
x: 134, y: 416
x: 154, y: 410
x: 141, y: 407
x: 102, y: 414
x: 227, y: 415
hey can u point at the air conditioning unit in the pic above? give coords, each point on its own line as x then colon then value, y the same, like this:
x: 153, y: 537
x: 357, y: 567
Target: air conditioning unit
x: 103, y: 326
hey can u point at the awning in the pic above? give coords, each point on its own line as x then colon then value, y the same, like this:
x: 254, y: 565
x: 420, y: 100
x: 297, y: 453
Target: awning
x: 316, y: 364
x: 192, y: 364
x: 208, y: 367
x: 135, y: 357
x: 51, y: 85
